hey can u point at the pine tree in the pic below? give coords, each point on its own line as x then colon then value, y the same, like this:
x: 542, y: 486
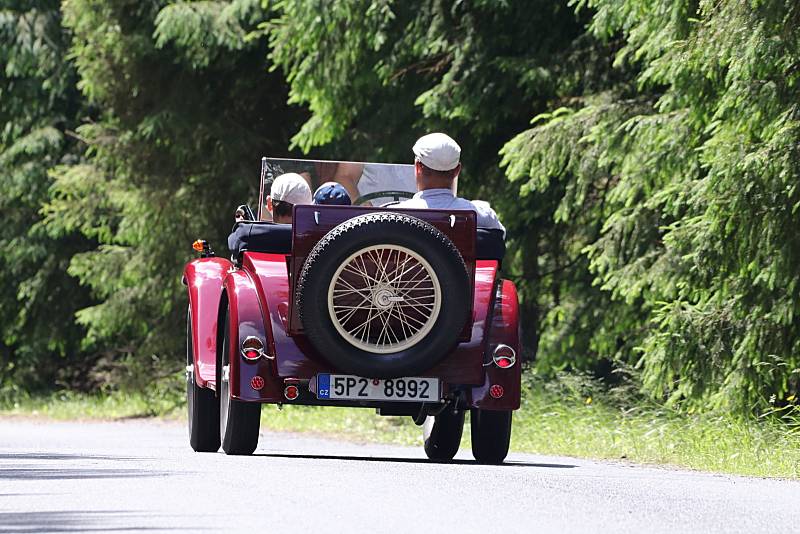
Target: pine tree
x: 188, y: 107
x: 39, y: 107
x: 697, y: 165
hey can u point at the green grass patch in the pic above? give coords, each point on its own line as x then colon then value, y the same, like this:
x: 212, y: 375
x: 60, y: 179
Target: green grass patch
x: 69, y: 405
x: 570, y: 416
x: 575, y: 417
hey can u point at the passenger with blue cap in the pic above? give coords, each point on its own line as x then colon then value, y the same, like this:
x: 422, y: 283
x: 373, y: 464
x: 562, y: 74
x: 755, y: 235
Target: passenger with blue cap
x: 332, y: 194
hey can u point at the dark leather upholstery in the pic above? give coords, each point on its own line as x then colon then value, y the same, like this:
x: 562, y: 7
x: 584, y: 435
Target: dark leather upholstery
x: 260, y: 237
x: 491, y: 245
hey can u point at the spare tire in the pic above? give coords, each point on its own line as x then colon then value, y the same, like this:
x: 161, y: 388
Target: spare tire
x: 383, y: 295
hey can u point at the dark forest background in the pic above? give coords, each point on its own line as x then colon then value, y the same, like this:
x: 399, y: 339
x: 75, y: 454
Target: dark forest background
x: 644, y: 155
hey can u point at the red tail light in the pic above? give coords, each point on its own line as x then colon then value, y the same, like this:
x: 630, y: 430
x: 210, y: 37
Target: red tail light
x: 504, y: 356
x: 291, y: 392
x: 496, y: 391
x: 257, y: 382
x: 252, y: 348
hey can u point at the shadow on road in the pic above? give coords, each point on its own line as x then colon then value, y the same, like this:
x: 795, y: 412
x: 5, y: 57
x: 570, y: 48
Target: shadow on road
x: 59, y: 456
x: 35, y: 473
x: 67, y: 521
x: 30, y: 466
x: 408, y: 460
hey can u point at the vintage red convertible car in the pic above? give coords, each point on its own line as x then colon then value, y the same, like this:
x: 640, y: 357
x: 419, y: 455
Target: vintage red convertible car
x: 401, y: 310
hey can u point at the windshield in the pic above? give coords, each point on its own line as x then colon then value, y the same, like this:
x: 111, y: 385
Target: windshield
x: 368, y: 184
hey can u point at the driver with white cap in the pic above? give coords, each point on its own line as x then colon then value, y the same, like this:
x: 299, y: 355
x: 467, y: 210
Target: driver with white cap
x: 286, y: 191
x: 436, y: 166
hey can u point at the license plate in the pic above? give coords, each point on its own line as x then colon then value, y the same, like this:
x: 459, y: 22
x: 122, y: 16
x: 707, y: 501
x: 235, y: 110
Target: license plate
x: 349, y: 387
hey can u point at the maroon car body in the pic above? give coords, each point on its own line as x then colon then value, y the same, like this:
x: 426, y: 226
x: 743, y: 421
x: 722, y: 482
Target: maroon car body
x: 253, y: 296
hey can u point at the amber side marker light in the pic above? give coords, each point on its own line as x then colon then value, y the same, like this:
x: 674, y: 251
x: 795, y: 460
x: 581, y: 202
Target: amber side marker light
x: 202, y: 246
x: 504, y: 356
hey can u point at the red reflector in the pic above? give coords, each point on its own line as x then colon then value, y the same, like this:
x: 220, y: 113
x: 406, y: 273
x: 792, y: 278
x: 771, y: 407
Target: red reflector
x: 291, y: 392
x: 504, y: 363
x: 496, y: 391
x: 257, y: 382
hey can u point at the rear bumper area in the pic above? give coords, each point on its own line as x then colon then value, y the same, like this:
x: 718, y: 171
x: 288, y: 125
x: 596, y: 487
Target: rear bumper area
x: 274, y: 390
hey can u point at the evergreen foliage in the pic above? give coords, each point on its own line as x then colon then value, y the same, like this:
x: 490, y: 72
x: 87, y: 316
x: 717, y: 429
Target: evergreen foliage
x: 692, y: 176
x: 188, y: 106
x: 378, y: 74
x: 643, y: 155
x: 39, y: 104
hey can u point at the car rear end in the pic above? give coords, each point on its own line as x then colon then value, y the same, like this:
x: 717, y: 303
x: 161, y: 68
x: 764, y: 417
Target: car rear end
x: 465, y: 359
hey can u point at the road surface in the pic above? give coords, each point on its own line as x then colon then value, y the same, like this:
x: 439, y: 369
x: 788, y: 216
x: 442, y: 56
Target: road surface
x: 141, y: 476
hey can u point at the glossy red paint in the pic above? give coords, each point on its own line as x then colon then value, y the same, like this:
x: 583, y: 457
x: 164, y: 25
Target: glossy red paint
x: 296, y: 358
x: 259, y: 296
x: 203, y: 278
x: 503, y: 330
x: 464, y: 364
x: 246, y: 320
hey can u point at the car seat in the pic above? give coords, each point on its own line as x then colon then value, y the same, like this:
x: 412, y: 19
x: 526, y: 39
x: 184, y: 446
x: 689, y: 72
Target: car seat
x: 260, y: 237
x: 491, y: 245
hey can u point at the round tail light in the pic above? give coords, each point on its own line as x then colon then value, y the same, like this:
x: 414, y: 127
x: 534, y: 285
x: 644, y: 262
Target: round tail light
x: 291, y: 392
x: 504, y: 356
x: 257, y: 383
x: 252, y: 348
x: 496, y: 391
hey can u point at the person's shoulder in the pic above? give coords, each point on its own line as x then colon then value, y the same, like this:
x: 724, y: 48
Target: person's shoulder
x: 487, y: 217
x: 482, y: 206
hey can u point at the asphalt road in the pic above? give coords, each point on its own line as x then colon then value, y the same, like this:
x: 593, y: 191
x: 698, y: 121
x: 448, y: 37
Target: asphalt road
x: 141, y: 476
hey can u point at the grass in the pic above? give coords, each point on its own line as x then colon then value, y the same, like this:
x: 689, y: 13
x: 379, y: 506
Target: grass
x: 558, y: 418
x: 568, y: 417
x: 68, y: 405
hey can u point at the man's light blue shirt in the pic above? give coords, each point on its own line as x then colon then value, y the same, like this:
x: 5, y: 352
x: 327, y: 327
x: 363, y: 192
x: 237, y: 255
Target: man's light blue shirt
x: 444, y: 199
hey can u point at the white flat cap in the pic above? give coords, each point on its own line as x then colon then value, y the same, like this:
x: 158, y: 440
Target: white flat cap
x: 291, y: 188
x: 437, y: 151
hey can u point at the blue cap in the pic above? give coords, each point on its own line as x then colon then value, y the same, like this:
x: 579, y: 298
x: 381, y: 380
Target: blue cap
x: 332, y: 193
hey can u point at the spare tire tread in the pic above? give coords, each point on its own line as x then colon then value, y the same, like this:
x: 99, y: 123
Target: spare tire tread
x: 398, y: 229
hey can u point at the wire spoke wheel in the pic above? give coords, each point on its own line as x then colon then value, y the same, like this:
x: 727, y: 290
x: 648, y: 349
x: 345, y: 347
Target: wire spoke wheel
x: 371, y: 302
x: 384, y: 298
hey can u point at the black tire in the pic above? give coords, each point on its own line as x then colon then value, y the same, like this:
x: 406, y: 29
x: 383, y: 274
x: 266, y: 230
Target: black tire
x: 442, y: 434
x: 239, y: 422
x: 202, y: 405
x: 491, y: 435
x: 375, y: 229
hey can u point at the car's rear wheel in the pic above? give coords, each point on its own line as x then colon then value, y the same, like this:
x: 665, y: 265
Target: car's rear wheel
x: 202, y: 404
x: 239, y: 421
x: 491, y: 435
x: 384, y: 295
x: 442, y: 434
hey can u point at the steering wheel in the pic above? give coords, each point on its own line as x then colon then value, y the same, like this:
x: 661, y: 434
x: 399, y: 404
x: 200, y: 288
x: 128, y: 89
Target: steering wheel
x: 396, y: 195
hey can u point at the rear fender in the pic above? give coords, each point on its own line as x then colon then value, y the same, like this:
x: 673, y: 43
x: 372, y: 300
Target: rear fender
x: 503, y: 329
x: 203, y: 278
x: 247, y: 313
